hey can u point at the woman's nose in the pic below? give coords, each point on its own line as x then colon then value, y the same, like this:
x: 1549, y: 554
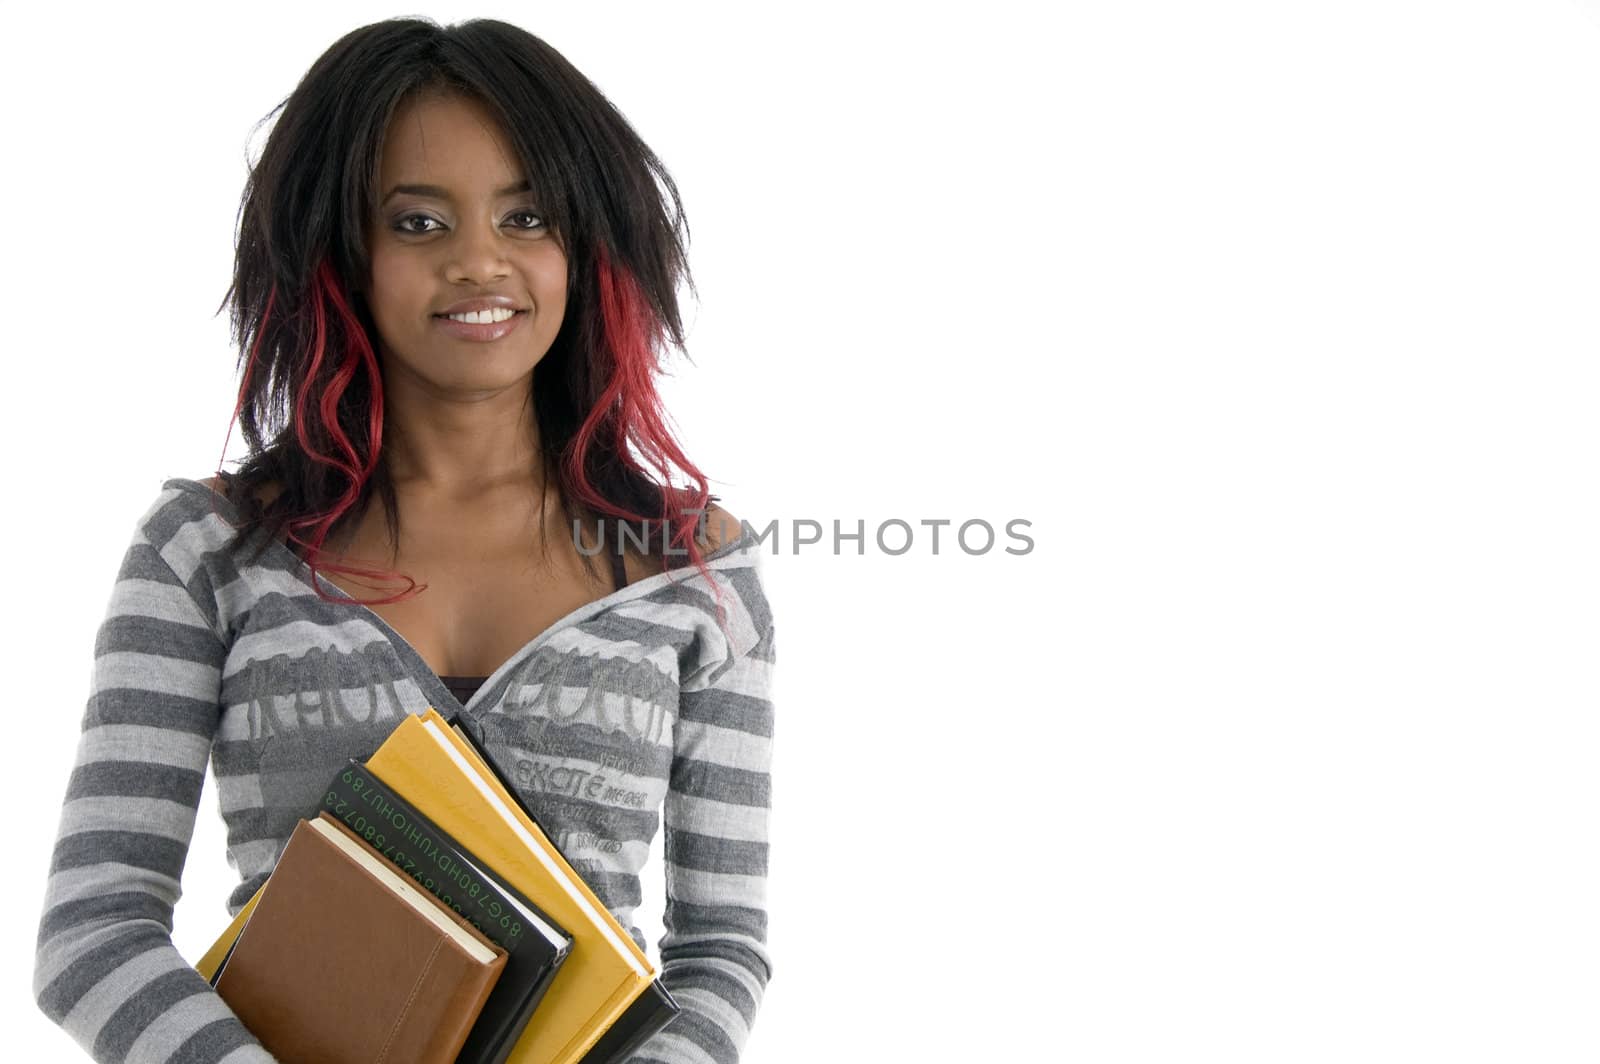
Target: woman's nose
x: 477, y: 253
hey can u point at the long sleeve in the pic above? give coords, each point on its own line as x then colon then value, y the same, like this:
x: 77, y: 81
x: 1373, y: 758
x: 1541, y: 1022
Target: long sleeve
x: 714, y: 955
x: 105, y: 969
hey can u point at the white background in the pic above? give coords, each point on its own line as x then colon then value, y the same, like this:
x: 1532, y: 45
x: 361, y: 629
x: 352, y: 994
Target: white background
x: 1277, y: 321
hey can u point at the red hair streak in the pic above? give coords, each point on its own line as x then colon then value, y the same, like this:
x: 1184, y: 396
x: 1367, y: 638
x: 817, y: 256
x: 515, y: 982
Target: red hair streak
x: 329, y: 308
x: 629, y: 408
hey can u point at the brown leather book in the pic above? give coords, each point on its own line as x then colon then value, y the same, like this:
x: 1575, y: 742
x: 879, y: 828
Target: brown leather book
x: 345, y: 961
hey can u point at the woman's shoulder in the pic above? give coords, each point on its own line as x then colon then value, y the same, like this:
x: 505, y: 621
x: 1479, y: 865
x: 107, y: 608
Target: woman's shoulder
x: 217, y: 486
x: 264, y: 494
x: 197, y: 516
x: 720, y: 528
x: 739, y: 564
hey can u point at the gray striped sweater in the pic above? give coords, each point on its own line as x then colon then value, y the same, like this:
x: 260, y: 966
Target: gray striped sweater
x: 630, y: 709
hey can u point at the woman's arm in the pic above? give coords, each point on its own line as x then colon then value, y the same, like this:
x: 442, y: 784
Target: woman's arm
x: 105, y: 967
x: 714, y: 955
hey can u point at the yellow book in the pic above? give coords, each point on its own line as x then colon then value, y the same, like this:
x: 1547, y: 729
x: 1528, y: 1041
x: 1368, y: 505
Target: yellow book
x: 435, y: 769
x: 212, y: 960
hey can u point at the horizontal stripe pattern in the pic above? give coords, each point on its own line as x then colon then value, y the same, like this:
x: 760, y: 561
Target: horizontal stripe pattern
x: 637, y: 714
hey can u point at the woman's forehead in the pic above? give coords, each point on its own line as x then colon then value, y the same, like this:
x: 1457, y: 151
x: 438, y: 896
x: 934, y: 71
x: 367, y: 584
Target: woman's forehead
x: 452, y: 144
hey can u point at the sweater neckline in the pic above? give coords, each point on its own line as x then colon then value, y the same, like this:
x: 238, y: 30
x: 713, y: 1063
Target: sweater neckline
x: 439, y: 693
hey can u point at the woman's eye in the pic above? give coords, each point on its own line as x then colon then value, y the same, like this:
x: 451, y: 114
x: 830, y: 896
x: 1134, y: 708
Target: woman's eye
x: 419, y: 224
x: 404, y: 226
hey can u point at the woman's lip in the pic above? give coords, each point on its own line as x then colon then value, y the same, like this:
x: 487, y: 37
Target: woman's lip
x: 463, y: 330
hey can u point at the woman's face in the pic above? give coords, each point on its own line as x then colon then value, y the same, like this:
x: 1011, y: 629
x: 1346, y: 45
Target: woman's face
x: 474, y: 233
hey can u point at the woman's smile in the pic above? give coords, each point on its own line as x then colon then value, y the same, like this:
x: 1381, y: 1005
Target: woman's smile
x: 480, y: 326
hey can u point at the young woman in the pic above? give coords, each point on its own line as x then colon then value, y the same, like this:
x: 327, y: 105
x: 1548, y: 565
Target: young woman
x: 457, y: 266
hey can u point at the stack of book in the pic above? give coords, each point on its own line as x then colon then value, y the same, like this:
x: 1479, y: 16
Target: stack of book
x: 424, y: 914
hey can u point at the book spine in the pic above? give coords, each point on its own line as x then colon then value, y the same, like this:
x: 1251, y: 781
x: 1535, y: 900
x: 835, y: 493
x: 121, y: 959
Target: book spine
x: 644, y: 1018
x: 367, y: 806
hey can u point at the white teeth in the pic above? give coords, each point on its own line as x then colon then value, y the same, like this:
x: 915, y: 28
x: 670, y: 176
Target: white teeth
x: 484, y: 317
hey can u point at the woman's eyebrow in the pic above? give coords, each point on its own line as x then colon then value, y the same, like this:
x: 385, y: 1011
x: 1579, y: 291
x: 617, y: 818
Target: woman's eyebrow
x: 436, y: 192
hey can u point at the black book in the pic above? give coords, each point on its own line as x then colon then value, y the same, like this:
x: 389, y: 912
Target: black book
x: 646, y: 1014
x: 535, y: 945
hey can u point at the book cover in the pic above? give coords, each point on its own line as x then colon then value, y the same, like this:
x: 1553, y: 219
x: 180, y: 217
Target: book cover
x: 440, y: 773
x: 534, y: 944
x: 345, y: 960
x: 648, y: 1013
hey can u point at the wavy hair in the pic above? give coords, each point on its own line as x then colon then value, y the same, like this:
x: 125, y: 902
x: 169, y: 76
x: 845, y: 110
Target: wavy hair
x: 310, y: 403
